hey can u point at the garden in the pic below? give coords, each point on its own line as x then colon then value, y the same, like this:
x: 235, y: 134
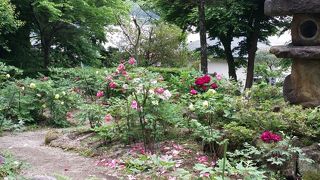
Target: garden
x: 152, y: 89
x: 149, y: 123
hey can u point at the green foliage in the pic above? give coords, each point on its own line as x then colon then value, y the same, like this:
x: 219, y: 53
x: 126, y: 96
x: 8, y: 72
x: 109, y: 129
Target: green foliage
x: 274, y: 156
x: 107, y: 133
x: 8, y: 21
x: 153, y: 162
x: 10, y: 168
x: 238, y: 134
x: 166, y: 46
x: 75, y: 28
x: 269, y: 66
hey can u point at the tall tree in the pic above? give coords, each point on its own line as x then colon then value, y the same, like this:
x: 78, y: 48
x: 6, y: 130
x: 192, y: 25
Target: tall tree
x: 73, y: 29
x: 259, y: 27
x: 203, y: 36
x: 8, y: 20
x: 225, y: 25
x: 179, y: 12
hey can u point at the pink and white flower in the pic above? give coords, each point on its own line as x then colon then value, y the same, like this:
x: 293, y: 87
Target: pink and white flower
x: 121, y: 67
x: 108, y: 118
x: 112, y: 85
x: 100, y: 94
x: 159, y: 90
x: 132, y: 61
x: 134, y: 104
x: 218, y: 77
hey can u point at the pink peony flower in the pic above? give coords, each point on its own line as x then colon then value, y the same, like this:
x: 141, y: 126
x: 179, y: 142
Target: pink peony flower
x: 112, y: 85
x: 109, y: 78
x: 108, y: 118
x: 214, y: 86
x: 206, y: 175
x: 193, y: 92
x: 124, y: 73
x: 269, y: 137
x: 132, y: 61
x: 203, y: 159
x: 159, y: 90
x: 69, y: 115
x: 121, y: 67
x: 134, y: 105
x: 100, y: 94
x: 219, y: 77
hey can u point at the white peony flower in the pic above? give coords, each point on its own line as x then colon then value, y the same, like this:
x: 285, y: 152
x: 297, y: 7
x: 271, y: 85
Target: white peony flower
x: 191, y: 107
x: 205, y: 104
x: 155, y: 102
x: 32, y: 85
x: 125, y: 86
x: 154, y: 82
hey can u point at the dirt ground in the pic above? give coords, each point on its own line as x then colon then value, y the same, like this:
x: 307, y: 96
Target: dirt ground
x: 43, y: 160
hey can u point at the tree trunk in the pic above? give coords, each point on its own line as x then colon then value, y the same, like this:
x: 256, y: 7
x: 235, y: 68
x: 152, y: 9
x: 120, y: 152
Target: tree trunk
x: 229, y: 56
x: 203, y: 36
x: 252, y: 49
x: 46, y: 58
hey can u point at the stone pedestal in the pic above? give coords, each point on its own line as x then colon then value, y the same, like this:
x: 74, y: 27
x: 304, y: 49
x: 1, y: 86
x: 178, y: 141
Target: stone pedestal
x: 305, y: 79
x: 303, y: 85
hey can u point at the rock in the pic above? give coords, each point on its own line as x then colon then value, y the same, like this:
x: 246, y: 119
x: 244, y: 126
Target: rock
x: 297, y: 52
x: 290, y: 7
x: 43, y: 178
x: 288, y: 91
x: 51, y: 135
x: 312, y: 152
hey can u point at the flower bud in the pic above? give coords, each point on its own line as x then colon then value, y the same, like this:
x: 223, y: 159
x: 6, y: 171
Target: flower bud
x: 32, y: 85
x: 205, y: 104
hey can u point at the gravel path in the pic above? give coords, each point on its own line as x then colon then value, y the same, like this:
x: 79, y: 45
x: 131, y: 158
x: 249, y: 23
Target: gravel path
x: 47, y: 161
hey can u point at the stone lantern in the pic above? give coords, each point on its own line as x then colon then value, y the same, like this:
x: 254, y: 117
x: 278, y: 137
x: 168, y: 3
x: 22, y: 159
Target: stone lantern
x: 303, y: 85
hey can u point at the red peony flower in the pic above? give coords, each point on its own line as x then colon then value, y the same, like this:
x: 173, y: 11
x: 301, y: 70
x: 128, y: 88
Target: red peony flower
x: 199, y: 81
x: 214, y: 86
x: 203, y: 80
x: 206, y: 79
x: 204, y: 88
x: 269, y: 137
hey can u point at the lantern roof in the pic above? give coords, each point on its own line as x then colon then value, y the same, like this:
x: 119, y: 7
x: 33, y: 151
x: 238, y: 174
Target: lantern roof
x: 291, y: 7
